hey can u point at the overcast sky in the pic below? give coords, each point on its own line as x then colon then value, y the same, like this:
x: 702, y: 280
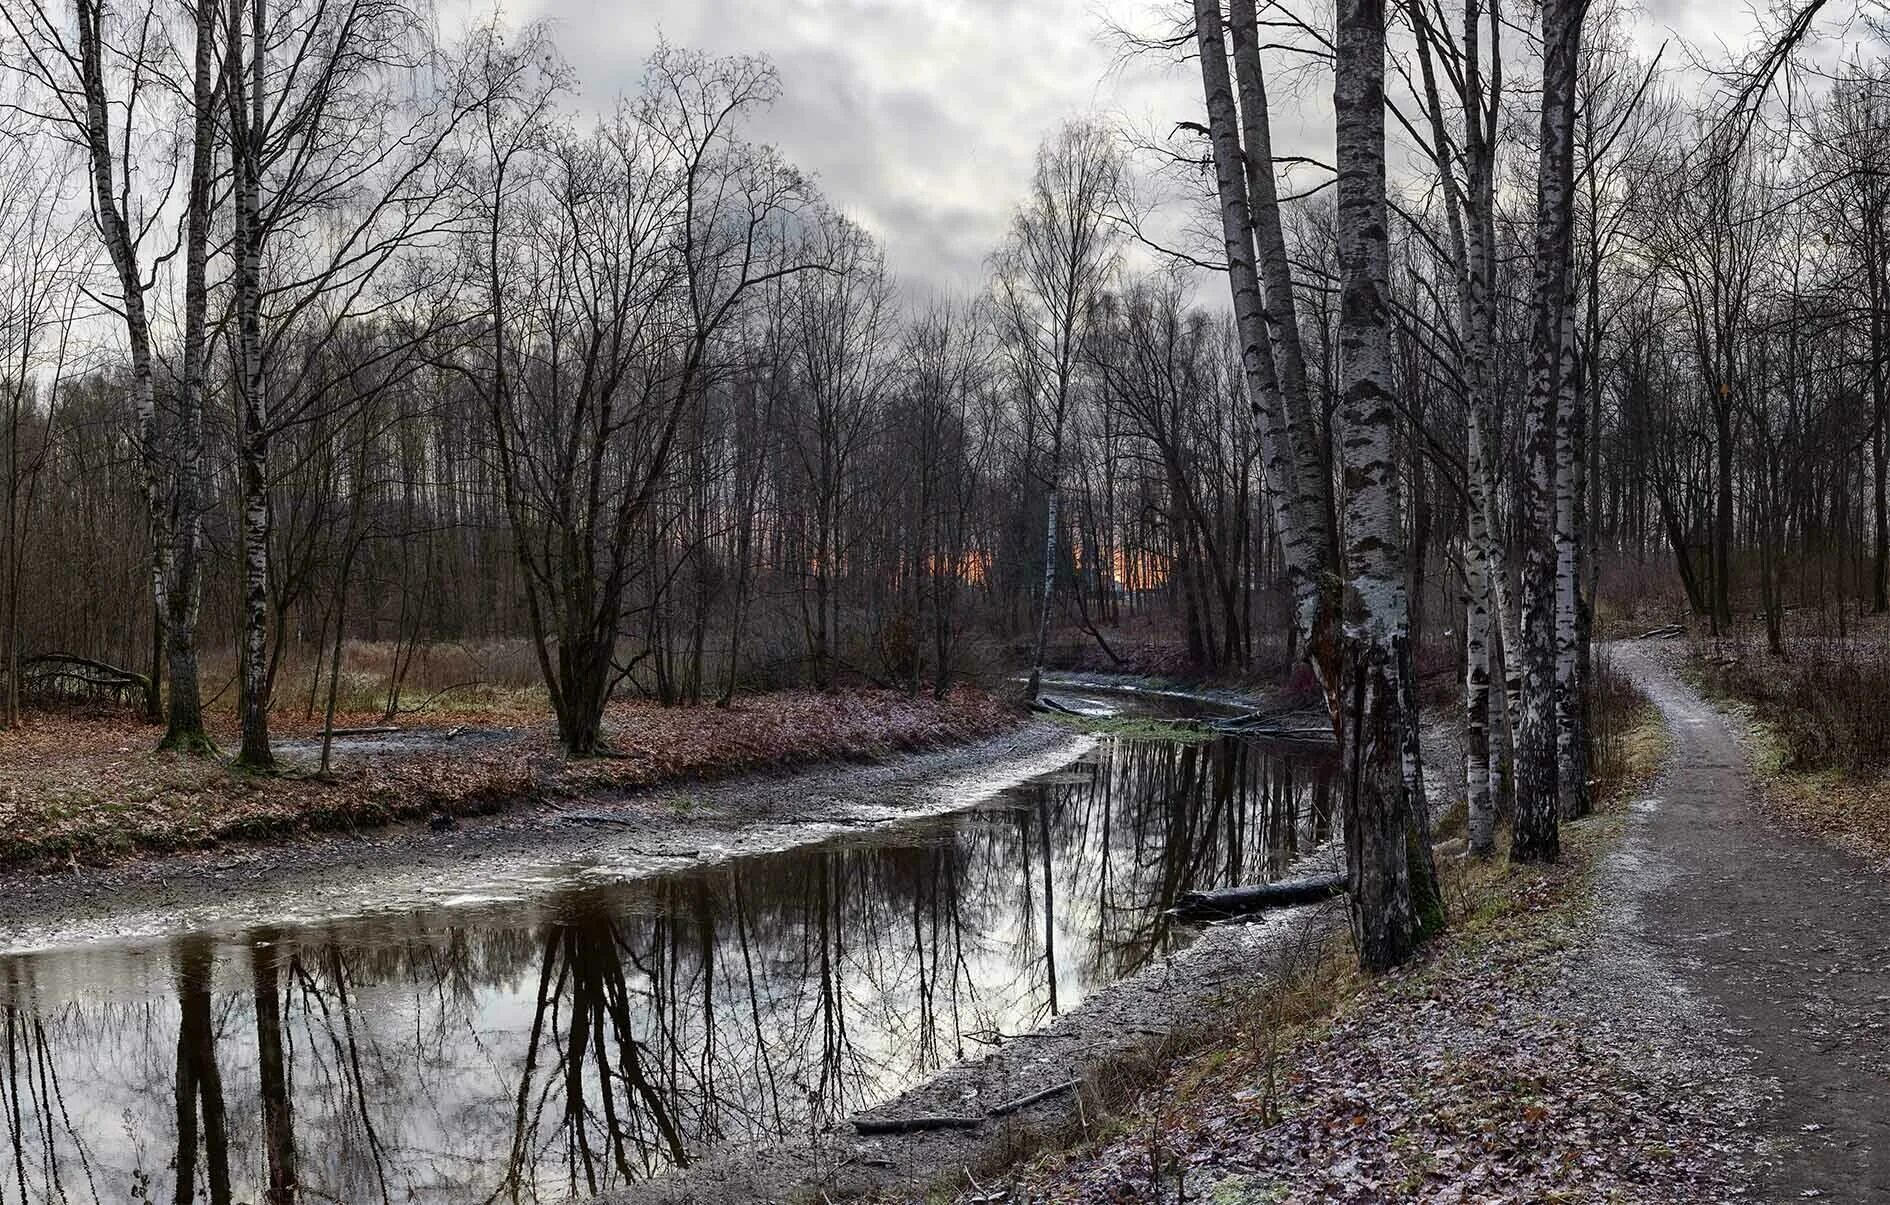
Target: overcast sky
x: 920, y: 117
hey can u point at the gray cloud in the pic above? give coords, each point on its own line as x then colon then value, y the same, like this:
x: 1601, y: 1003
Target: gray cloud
x: 919, y: 117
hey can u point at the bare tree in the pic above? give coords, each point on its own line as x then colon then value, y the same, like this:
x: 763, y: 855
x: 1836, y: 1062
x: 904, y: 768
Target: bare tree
x: 639, y: 245
x: 1536, y: 834
x: 1049, y: 277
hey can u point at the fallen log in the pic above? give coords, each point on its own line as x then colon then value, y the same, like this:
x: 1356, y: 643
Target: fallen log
x: 912, y: 1125
x: 1662, y: 633
x: 55, y: 675
x: 1024, y: 1102
x: 1241, y: 901
x: 377, y: 730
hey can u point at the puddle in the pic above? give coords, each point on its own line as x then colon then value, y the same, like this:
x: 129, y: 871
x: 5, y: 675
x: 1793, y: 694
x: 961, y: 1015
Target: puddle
x: 547, y: 1042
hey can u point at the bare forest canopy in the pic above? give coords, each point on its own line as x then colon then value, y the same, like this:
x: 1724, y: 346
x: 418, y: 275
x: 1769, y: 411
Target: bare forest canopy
x: 317, y: 328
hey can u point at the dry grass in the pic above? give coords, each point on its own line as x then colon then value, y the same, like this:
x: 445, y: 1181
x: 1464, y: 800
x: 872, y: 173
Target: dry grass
x: 89, y: 787
x: 1823, y: 702
x: 1820, y: 732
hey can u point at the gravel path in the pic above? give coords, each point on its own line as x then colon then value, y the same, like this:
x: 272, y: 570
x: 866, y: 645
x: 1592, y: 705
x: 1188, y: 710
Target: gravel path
x: 1786, y: 938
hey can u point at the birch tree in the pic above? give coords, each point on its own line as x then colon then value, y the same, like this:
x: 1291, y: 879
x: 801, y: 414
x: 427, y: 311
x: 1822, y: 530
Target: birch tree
x: 1296, y: 479
x: 346, y: 192
x: 1386, y: 834
x: 100, y: 88
x: 1469, y: 213
x: 1536, y: 834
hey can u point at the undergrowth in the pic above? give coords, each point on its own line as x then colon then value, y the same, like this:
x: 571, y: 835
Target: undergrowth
x: 1818, y: 733
x: 1822, y: 701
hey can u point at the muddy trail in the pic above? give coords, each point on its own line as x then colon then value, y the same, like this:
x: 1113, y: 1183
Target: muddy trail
x: 585, y: 1000
x: 1783, y: 936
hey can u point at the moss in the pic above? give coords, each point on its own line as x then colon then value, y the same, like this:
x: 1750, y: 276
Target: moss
x: 1139, y: 728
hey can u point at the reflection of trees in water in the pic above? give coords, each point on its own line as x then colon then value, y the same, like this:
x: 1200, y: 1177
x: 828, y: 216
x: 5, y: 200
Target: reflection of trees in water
x: 198, y: 1086
x: 47, y: 1151
x: 1159, y: 819
x: 606, y: 1034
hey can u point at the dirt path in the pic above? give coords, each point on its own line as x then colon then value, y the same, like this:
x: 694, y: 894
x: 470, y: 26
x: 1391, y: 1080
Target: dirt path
x: 1787, y: 938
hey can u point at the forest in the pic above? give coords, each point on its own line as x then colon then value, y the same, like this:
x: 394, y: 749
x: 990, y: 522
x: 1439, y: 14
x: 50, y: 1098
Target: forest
x: 1363, y: 477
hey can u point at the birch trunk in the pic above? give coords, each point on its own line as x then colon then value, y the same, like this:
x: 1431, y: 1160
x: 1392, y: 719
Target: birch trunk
x: 1536, y: 835
x: 184, y: 593
x: 1316, y: 591
x: 1298, y: 499
x: 1479, y: 798
x: 1571, y: 737
x: 1387, y: 862
x: 1473, y: 270
x: 246, y: 116
x: 1049, y: 583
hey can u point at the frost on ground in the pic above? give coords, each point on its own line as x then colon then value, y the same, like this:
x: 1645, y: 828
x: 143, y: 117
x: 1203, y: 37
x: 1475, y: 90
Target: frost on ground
x: 1538, y: 1053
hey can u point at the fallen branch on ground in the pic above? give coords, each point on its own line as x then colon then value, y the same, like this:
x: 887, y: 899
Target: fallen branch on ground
x: 1024, y: 1102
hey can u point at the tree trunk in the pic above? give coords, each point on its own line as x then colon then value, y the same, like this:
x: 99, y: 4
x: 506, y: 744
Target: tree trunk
x: 1571, y: 734
x: 1387, y: 859
x: 185, y: 732
x: 1049, y: 585
x: 1294, y: 477
x: 246, y: 123
x: 278, y: 1110
x: 120, y: 245
x: 1536, y: 833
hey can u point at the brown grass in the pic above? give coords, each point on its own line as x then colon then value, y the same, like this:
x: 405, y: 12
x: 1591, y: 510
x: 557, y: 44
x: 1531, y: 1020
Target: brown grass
x: 1823, y: 702
x: 1820, y: 730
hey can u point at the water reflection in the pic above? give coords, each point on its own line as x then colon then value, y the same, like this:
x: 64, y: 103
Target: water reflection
x: 554, y: 1049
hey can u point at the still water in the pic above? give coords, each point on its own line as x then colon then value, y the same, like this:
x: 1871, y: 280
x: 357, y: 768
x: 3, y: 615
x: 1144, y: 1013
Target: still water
x: 552, y: 1049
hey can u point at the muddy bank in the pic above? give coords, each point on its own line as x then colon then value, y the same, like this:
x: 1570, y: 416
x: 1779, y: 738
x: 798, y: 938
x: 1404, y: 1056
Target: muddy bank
x: 601, y: 838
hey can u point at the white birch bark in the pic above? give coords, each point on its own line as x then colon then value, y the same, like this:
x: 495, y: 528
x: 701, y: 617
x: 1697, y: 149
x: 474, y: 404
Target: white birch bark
x: 1536, y: 835
x: 1298, y: 501
x: 121, y: 247
x: 244, y: 85
x: 185, y: 730
x: 1471, y: 272
x: 1312, y: 482
x: 1571, y: 738
x: 1382, y: 854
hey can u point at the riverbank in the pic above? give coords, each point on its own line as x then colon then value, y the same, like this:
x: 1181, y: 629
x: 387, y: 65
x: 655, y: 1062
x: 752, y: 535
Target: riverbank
x: 1535, y: 1052
x: 402, y: 867
x: 92, y: 790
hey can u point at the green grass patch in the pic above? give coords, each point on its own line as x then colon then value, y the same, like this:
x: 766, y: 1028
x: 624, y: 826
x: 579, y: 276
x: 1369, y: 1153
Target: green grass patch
x: 1138, y: 728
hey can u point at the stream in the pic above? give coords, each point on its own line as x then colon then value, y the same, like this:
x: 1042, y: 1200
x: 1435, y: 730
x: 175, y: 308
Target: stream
x: 552, y: 1047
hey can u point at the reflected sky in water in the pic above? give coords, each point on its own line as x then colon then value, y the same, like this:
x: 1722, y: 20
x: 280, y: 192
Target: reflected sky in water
x: 555, y: 1048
